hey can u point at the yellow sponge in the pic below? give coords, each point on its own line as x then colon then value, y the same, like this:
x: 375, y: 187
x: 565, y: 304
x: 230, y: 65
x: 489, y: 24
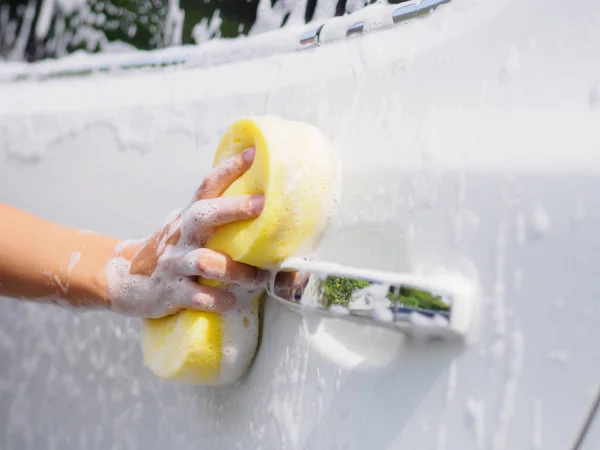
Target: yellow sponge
x: 298, y: 174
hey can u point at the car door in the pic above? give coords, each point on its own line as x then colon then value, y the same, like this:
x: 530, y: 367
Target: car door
x: 469, y: 140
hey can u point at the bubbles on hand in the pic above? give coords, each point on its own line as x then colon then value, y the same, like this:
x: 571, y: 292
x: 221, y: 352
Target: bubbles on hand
x: 169, y: 287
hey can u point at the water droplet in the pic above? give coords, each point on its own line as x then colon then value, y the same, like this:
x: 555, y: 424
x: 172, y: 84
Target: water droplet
x: 476, y: 409
x: 540, y: 221
x: 594, y: 97
x: 510, y: 71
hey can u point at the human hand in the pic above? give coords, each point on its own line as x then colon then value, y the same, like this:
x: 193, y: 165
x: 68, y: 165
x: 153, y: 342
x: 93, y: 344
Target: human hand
x: 160, y: 277
x: 151, y: 278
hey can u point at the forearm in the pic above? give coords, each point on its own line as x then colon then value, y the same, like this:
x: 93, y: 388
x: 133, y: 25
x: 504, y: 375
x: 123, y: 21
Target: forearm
x: 41, y: 260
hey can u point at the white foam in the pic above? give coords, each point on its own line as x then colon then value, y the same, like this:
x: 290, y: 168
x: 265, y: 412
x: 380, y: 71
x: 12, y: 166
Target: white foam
x: 240, y: 337
x: 73, y: 261
x: 174, y: 24
x: 339, y: 310
x: 206, y: 28
x: 24, y: 32
x: 43, y: 23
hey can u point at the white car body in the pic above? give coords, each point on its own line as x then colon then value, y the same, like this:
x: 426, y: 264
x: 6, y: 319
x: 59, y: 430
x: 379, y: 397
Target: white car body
x: 470, y: 140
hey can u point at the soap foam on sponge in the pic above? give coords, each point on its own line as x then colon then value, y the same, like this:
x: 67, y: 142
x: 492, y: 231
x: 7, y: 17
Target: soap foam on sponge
x: 298, y: 173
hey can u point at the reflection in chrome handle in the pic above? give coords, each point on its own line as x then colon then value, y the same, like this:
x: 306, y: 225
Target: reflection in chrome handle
x: 403, y: 302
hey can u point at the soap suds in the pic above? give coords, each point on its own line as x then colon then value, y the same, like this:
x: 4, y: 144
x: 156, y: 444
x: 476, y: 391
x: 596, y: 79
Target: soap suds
x: 476, y: 409
x: 540, y: 221
x: 43, y: 22
x: 73, y: 261
x: 207, y: 29
x: 506, y: 412
x: 57, y: 282
x: 64, y: 288
x: 338, y: 310
x: 240, y: 326
x: 452, y: 381
x: 167, y: 288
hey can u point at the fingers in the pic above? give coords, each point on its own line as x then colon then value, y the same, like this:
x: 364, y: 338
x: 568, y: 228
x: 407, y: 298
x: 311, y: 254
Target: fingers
x: 203, y: 216
x: 207, y: 298
x: 232, y: 209
x: 215, y: 266
x: 218, y: 266
x: 223, y: 175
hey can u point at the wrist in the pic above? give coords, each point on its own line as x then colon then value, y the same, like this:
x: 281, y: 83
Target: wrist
x: 111, y: 281
x: 88, y: 280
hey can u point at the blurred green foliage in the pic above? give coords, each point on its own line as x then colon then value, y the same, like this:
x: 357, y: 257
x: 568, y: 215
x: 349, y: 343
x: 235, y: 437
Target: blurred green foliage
x: 142, y: 24
x: 339, y: 291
